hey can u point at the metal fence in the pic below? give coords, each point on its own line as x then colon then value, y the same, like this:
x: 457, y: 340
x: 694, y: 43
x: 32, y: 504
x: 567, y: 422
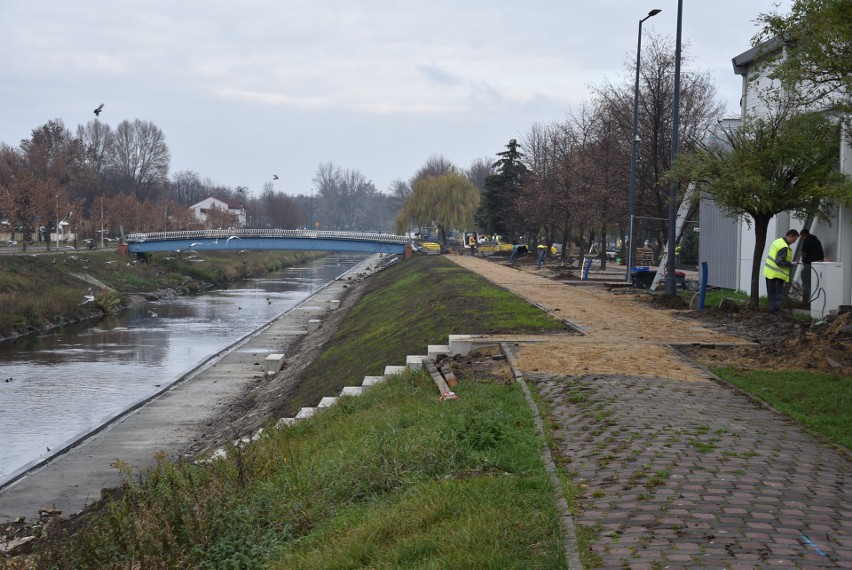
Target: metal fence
x: 650, y: 239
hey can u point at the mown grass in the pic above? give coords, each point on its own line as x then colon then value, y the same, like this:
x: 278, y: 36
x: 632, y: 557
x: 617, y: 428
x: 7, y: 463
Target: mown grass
x: 408, y: 307
x: 391, y: 479
x: 821, y: 402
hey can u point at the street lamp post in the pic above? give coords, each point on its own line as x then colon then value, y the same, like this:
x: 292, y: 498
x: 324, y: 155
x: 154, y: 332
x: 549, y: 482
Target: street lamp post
x: 57, y: 222
x: 634, y: 142
x: 671, y: 280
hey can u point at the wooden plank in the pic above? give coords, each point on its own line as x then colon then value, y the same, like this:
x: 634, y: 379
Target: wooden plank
x: 443, y: 388
x: 448, y: 374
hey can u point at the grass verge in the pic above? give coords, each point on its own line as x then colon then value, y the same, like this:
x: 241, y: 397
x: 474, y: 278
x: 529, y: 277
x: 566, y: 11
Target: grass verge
x: 821, y: 402
x: 393, y: 478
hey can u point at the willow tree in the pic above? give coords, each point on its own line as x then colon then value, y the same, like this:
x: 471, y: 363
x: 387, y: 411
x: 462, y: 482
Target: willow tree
x: 447, y: 201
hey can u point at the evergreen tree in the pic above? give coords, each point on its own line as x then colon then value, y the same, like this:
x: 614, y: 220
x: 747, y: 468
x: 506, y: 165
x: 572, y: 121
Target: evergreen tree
x: 496, y: 212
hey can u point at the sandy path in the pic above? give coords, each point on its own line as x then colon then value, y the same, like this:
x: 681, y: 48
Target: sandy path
x: 622, y: 335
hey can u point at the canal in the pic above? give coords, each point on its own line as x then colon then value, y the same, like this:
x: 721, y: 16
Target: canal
x: 56, y: 386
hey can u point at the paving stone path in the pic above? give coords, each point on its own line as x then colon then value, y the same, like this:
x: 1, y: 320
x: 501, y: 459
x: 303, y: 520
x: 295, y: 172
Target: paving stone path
x: 677, y: 470
x: 696, y: 475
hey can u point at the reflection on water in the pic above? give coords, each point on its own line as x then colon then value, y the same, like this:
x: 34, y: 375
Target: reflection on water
x: 56, y: 386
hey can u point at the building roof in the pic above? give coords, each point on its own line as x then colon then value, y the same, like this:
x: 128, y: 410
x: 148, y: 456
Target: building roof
x: 743, y: 61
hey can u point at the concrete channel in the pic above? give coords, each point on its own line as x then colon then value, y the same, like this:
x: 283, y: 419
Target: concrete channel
x: 169, y: 420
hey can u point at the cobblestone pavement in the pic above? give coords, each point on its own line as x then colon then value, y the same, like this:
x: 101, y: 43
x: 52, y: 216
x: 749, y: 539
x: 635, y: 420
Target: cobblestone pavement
x: 696, y: 475
x: 677, y: 469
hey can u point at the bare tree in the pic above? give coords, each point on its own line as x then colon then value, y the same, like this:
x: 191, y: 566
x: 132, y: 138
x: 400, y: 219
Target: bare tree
x: 96, y: 138
x: 187, y: 188
x: 139, y: 156
x: 480, y: 169
x: 698, y: 110
x: 436, y: 165
x: 399, y: 190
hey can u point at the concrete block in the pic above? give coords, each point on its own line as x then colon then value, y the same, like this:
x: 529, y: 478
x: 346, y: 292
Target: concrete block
x: 285, y: 422
x: 372, y: 380
x: 305, y: 413
x: 461, y: 344
x: 273, y: 363
x: 334, y: 304
x: 394, y: 370
x: 326, y: 402
x: 415, y: 361
x: 352, y: 391
x: 313, y: 324
x: 436, y: 350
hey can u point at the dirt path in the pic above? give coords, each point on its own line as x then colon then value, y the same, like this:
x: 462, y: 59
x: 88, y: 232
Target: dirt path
x: 621, y: 336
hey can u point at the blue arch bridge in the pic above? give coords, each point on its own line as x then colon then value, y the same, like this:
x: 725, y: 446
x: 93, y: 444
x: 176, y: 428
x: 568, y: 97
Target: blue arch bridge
x: 246, y: 239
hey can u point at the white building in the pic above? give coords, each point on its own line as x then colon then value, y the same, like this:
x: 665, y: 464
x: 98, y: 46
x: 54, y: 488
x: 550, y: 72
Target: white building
x: 728, y: 246
x: 236, y: 209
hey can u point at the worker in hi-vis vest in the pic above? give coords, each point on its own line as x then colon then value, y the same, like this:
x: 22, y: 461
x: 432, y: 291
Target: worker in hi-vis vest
x: 776, y: 269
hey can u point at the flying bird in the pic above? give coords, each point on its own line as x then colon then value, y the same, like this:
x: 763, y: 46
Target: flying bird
x: 230, y: 238
x: 99, y: 109
x: 275, y: 177
x: 88, y: 297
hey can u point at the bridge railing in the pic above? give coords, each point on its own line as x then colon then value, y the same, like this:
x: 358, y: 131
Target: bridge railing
x: 268, y: 233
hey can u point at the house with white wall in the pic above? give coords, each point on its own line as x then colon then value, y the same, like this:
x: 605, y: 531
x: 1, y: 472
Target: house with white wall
x: 232, y: 207
x: 728, y: 245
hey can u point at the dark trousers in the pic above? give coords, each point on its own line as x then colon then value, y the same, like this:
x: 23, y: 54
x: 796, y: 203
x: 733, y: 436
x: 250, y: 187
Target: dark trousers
x: 775, y: 293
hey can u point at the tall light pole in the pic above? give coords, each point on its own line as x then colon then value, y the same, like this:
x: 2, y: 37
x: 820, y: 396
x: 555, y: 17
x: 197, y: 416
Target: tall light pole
x: 634, y: 142
x: 57, y: 222
x: 671, y: 281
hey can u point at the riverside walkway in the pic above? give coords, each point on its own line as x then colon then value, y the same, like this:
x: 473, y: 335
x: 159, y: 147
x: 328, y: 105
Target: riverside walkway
x: 677, y: 469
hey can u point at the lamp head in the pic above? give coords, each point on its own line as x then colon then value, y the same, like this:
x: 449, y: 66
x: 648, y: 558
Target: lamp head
x: 653, y: 12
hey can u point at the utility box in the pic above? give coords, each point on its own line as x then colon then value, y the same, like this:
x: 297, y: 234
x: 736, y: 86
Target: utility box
x: 826, y: 287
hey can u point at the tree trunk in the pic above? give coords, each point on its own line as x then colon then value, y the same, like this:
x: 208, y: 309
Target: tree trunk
x: 761, y: 225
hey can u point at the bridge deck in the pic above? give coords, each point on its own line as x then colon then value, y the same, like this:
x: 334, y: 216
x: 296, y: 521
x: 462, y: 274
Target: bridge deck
x: 268, y: 239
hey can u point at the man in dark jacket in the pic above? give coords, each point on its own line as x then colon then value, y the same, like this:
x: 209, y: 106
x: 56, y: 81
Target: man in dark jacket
x: 811, y: 252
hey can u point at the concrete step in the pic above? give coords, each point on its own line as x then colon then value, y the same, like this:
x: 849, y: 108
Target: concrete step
x: 352, y: 391
x: 436, y: 350
x: 389, y: 370
x: 372, y: 380
x: 306, y: 413
x: 327, y: 401
x: 415, y: 361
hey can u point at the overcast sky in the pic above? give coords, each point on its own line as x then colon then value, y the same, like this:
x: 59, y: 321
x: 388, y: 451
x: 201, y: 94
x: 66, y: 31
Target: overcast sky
x: 245, y: 89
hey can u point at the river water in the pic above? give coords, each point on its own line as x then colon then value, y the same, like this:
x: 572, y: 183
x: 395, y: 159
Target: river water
x: 57, y: 386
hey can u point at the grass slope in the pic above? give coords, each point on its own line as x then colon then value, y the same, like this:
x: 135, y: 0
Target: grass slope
x: 408, y: 307
x: 391, y: 479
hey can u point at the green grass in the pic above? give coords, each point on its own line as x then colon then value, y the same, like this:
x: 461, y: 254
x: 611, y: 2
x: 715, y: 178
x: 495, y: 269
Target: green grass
x: 390, y: 479
x: 822, y: 402
x: 408, y: 307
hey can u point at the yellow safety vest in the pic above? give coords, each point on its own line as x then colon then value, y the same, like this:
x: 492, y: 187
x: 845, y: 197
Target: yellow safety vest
x: 771, y: 270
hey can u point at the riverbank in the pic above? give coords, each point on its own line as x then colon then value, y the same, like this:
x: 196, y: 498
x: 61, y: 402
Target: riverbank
x: 40, y: 292
x: 208, y: 406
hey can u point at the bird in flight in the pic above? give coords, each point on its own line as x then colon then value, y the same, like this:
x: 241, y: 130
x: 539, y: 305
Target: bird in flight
x: 230, y: 238
x: 88, y: 297
x: 275, y: 177
x: 99, y: 109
